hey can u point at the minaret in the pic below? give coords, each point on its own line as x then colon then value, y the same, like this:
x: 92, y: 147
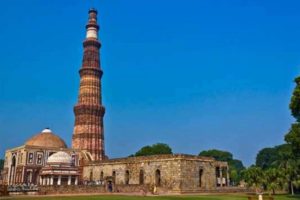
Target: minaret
x: 88, y: 129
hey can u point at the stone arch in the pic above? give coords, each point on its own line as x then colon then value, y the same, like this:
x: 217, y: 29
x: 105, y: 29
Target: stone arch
x: 127, y: 177
x: 157, y: 177
x: 141, y: 177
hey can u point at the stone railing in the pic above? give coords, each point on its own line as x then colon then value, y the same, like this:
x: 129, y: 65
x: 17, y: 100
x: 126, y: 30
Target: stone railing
x: 22, y: 188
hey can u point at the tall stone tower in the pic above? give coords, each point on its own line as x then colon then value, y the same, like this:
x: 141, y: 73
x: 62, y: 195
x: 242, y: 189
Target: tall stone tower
x: 88, y: 129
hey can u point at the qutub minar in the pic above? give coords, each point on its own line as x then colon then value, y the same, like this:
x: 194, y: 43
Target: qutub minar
x: 88, y: 129
x: 46, y: 161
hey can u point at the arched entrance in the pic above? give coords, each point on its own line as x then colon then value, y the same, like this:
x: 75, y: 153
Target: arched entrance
x: 141, y: 178
x: 200, y: 177
x: 127, y: 177
x: 157, y: 177
x: 114, y: 177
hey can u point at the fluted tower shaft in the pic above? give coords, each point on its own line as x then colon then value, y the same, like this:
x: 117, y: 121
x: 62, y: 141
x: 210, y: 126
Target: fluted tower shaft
x: 88, y: 131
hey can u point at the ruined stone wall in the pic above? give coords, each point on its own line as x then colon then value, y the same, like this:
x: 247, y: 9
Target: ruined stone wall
x: 190, y: 173
x: 177, y: 173
x: 169, y: 172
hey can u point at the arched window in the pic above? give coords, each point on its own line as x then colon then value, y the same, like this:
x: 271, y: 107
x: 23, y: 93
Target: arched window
x: 157, y: 177
x: 13, y: 161
x: 101, y: 176
x: 127, y: 177
x: 91, y: 175
x: 141, y: 177
x: 114, y: 176
x: 200, y: 177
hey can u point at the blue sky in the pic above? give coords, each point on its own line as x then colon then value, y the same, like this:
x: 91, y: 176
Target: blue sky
x: 194, y: 74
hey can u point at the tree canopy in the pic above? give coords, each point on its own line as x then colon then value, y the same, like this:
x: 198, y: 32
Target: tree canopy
x: 295, y: 100
x: 155, y: 149
x: 268, y: 157
x: 217, y: 154
x: 254, y: 176
x: 293, y: 136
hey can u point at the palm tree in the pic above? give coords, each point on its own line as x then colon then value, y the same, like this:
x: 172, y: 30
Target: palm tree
x: 290, y: 168
x: 274, y: 179
x: 254, y: 177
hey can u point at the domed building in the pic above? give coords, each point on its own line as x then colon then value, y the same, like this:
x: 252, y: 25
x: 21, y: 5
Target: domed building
x: 23, y: 164
x: 60, y: 169
x: 46, y: 139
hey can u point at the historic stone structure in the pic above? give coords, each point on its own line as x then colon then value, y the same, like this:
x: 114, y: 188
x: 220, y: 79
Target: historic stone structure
x: 45, y: 159
x: 61, y: 169
x: 88, y: 130
x: 24, y: 164
x: 172, y: 173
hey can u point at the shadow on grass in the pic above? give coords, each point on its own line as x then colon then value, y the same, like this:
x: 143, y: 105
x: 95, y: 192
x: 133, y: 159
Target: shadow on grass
x: 297, y: 196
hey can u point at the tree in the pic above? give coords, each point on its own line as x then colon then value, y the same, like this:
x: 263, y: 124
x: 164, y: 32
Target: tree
x: 155, y: 149
x: 292, y: 164
x: 217, y: 154
x: 274, y: 179
x: 268, y: 157
x: 1, y: 164
x: 290, y: 167
x: 254, y: 177
x: 235, y: 166
x: 293, y: 136
x: 295, y: 100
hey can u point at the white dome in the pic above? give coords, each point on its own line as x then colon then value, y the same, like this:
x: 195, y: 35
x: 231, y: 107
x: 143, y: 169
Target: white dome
x: 46, y: 130
x: 60, y: 157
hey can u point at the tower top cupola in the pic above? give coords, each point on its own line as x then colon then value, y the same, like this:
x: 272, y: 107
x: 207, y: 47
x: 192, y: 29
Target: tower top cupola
x: 92, y: 27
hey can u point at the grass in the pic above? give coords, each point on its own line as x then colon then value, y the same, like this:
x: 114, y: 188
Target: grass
x: 114, y: 197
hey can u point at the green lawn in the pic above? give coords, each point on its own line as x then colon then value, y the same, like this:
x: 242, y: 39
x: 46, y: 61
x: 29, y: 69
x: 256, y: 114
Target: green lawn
x: 113, y: 197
